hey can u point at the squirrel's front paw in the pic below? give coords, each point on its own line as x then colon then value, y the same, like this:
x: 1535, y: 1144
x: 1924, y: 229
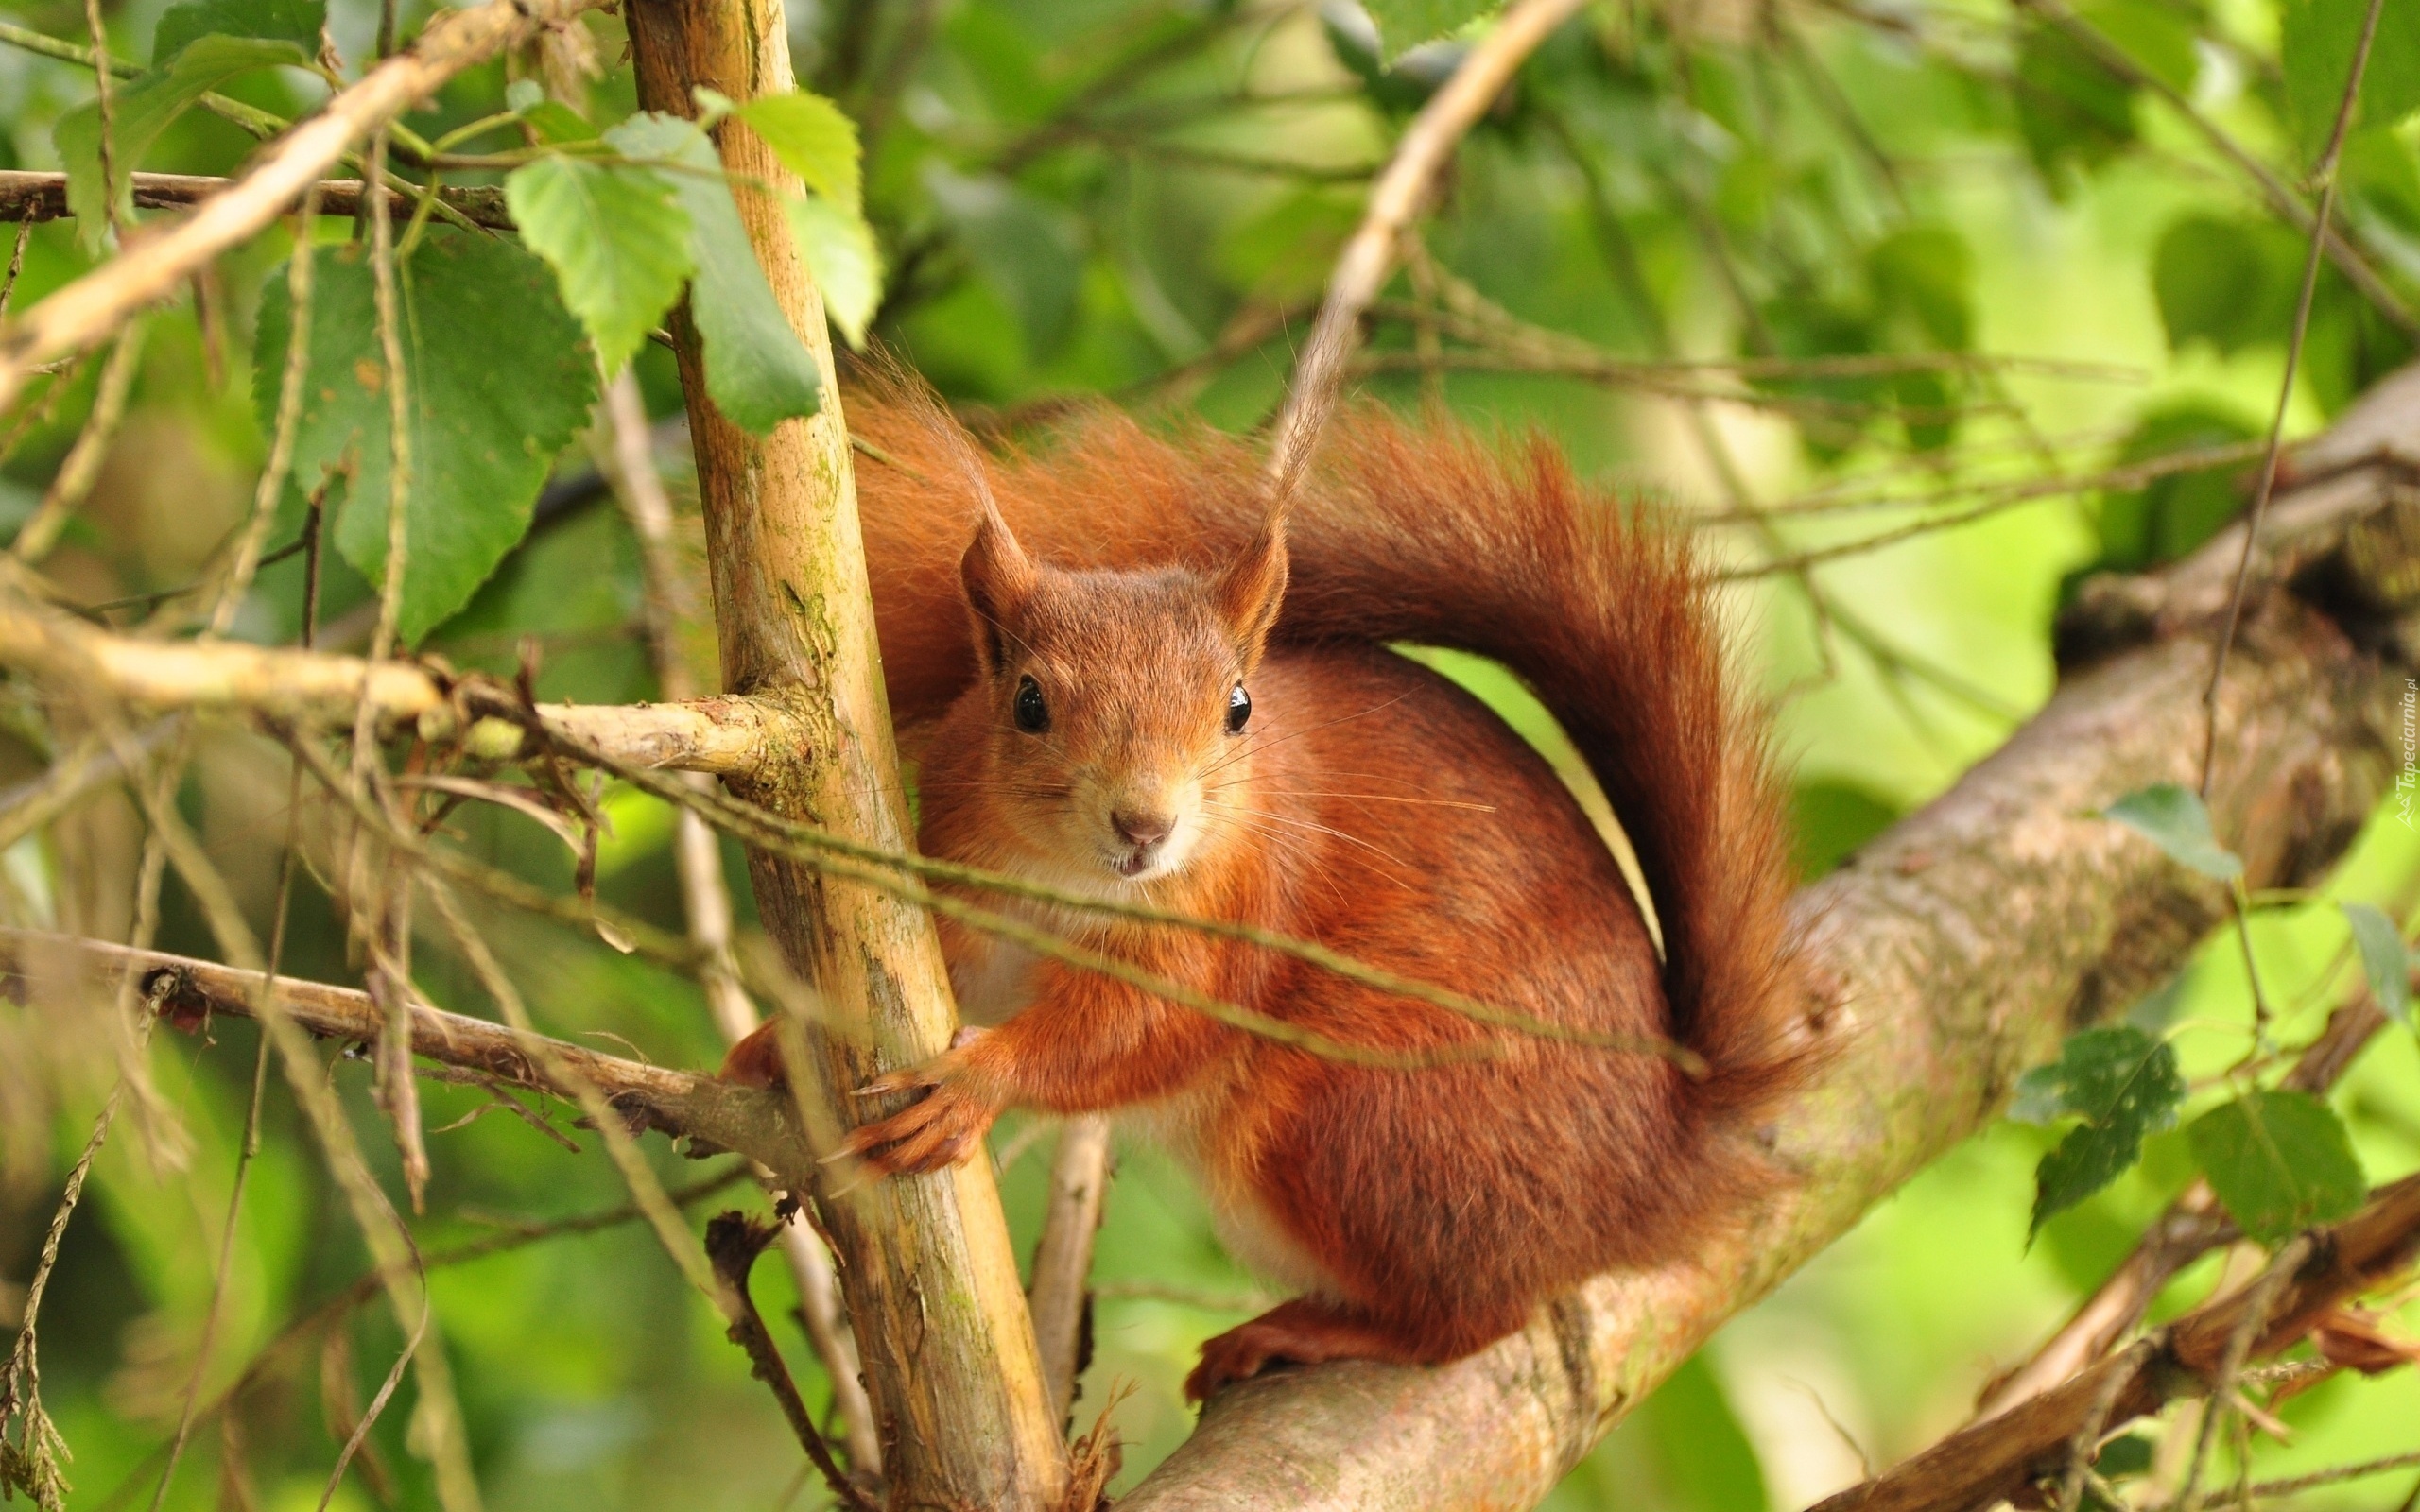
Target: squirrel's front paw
x: 940, y: 1128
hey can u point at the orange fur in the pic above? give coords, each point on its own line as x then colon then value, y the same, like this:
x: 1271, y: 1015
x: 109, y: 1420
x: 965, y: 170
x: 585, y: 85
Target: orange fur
x: 1368, y: 805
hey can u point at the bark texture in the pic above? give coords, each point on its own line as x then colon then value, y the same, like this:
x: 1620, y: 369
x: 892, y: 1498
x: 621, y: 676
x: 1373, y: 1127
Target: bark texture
x: 1951, y: 954
x: 926, y: 1269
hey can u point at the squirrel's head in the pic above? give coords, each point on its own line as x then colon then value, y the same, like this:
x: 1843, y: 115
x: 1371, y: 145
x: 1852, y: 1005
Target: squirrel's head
x: 1116, y: 697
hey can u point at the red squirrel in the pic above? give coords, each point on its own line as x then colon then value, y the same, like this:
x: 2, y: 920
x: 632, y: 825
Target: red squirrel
x: 1126, y: 679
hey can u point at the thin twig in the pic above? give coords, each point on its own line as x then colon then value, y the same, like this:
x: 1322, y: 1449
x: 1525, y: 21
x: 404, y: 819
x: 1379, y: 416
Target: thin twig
x: 82, y: 466
x: 2261, y: 1303
x: 2326, y: 175
x: 27, y: 196
x: 245, y: 1152
x: 628, y: 459
x: 1062, y: 1257
x: 2336, y: 1476
x: 102, y: 90
x: 271, y: 490
x: 733, y: 1241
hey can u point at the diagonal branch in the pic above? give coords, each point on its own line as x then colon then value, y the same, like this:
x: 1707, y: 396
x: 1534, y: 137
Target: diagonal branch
x: 1949, y: 956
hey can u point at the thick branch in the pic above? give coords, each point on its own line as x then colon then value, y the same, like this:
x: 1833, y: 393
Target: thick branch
x: 1950, y: 954
x: 727, y: 735
x: 155, y: 268
x: 26, y: 196
x: 1993, y: 1460
x: 680, y: 1103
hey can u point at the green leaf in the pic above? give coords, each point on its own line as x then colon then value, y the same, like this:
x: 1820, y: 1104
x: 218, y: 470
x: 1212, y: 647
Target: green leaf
x: 2173, y: 817
x: 500, y: 382
x: 617, y: 239
x: 144, y: 107
x: 813, y: 139
x: 294, y: 20
x: 2231, y: 284
x: 2280, y: 1161
x: 2315, y: 44
x: 2124, y: 1084
x: 1404, y: 24
x: 2385, y: 958
x: 839, y: 247
x: 757, y: 371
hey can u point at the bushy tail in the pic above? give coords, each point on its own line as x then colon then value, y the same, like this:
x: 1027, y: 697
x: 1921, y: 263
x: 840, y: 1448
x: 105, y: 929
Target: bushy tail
x: 1413, y: 535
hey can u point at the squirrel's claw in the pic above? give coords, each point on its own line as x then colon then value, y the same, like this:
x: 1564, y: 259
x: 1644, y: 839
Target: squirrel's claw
x: 937, y: 1130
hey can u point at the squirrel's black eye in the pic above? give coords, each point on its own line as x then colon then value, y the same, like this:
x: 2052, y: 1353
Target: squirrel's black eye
x: 1032, y: 715
x: 1238, y: 710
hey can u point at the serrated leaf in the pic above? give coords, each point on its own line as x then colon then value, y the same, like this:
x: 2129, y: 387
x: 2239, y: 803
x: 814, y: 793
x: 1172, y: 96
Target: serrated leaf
x: 500, y: 382
x: 618, y: 242
x: 294, y: 20
x: 1404, y: 24
x: 2385, y: 960
x: 813, y: 139
x: 2123, y: 1084
x: 2173, y: 818
x: 757, y: 371
x: 2280, y: 1161
x: 840, y: 251
x: 144, y: 107
x: 2315, y: 46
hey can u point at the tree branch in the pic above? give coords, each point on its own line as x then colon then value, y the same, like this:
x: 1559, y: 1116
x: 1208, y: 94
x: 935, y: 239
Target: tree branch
x: 154, y: 268
x: 727, y: 735
x: 926, y: 1267
x: 29, y: 196
x: 1949, y: 956
x: 713, y: 1114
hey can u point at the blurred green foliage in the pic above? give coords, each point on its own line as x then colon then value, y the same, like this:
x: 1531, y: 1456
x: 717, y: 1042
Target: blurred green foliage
x: 1868, y: 205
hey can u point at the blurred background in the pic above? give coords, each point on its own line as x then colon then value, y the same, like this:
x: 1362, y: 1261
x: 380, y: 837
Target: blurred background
x: 1879, y: 294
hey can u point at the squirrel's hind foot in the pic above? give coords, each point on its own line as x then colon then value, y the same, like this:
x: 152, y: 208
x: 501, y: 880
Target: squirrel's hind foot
x: 1308, y: 1331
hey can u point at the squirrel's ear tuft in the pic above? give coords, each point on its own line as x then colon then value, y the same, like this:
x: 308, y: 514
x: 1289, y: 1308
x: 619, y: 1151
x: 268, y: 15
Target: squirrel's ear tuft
x: 998, y: 577
x: 1250, y: 589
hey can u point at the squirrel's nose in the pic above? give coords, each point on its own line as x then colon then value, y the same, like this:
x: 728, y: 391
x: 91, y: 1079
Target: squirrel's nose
x: 1142, y: 828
